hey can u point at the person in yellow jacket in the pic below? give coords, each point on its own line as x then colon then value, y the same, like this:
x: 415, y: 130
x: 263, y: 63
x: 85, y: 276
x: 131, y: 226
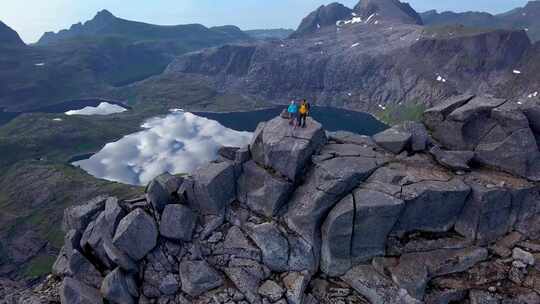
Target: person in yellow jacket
x: 303, y: 113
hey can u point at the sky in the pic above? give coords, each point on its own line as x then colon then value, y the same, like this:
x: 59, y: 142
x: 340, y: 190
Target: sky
x: 31, y: 18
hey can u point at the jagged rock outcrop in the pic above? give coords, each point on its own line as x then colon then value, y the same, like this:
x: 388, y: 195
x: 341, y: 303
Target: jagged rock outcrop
x: 305, y: 217
x: 389, y: 9
x: 498, y: 131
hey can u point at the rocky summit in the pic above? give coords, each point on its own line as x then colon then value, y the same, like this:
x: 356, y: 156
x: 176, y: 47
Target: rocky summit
x: 444, y: 211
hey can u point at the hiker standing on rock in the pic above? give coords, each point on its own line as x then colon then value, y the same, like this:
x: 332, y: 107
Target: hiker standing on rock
x: 303, y: 113
x: 293, y: 113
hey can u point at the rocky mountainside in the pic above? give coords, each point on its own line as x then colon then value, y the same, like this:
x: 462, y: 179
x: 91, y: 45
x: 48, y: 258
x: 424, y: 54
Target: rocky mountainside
x: 263, y: 34
x: 33, y: 77
x: 340, y: 57
x: 526, y: 18
x: 415, y: 214
x: 95, y: 58
x: 525, y: 81
x: 8, y: 37
x: 106, y: 24
x: 469, y: 19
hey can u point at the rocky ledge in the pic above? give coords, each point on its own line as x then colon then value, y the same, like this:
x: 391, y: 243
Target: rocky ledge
x: 443, y: 214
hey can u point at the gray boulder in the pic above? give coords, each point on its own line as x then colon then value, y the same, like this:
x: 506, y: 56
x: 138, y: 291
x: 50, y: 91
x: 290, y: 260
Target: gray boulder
x: 440, y: 112
x: 120, y: 258
x: 345, y: 137
x: 169, y: 285
x: 271, y: 290
x: 433, y: 197
x: 247, y: 283
x: 455, y: 160
x: 160, y: 190
x: 419, y: 135
x: 285, y: 149
x: 115, y: 287
x: 415, y: 270
x: 482, y: 297
x: 213, y: 188
x: 79, y: 217
x: 102, y: 230
x: 302, y: 255
x: 273, y: 245
x: 486, y: 214
x: 497, y: 130
x: 228, y: 153
x: 261, y: 191
x: 136, y: 234
x: 394, y: 140
x: 443, y: 261
x: 460, y: 122
x: 237, y: 244
x: 375, y: 216
x: 177, y: 222
x: 337, y: 232
x: 74, y: 292
x: 374, y: 286
x: 198, y: 277
x: 525, y: 208
x: 295, y: 285
x: 242, y: 155
x: 514, y: 154
x: 75, y: 264
x: 475, y: 107
x: 432, y: 206
x: 365, y: 150
x: 71, y: 243
x: 326, y: 185
x: 412, y: 275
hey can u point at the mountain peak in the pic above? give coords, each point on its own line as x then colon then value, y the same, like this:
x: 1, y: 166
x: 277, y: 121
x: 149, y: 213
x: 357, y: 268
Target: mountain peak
x: 389, y: 9
x: 8, y: 36
x: 104, y: 16
x: 325, y: 15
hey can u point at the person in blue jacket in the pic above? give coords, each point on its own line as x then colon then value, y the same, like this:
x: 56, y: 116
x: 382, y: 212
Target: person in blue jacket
x: 293, y: 113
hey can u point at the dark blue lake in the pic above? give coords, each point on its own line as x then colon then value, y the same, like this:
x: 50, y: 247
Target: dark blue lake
x: 332, y: 119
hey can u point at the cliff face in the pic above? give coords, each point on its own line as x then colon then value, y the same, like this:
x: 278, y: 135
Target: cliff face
x: 362, y: 65
x: 366, y: 58
x: 301, y: 216
x: 525, y: 79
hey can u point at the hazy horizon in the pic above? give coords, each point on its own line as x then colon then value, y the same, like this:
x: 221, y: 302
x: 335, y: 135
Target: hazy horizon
x: 54, y: 15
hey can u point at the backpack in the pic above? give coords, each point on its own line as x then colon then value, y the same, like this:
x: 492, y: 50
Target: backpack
x: 304, y: 109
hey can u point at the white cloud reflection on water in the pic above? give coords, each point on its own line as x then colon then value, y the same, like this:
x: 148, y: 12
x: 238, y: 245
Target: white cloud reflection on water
x: 103, y: 108
x: 177, y: 143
